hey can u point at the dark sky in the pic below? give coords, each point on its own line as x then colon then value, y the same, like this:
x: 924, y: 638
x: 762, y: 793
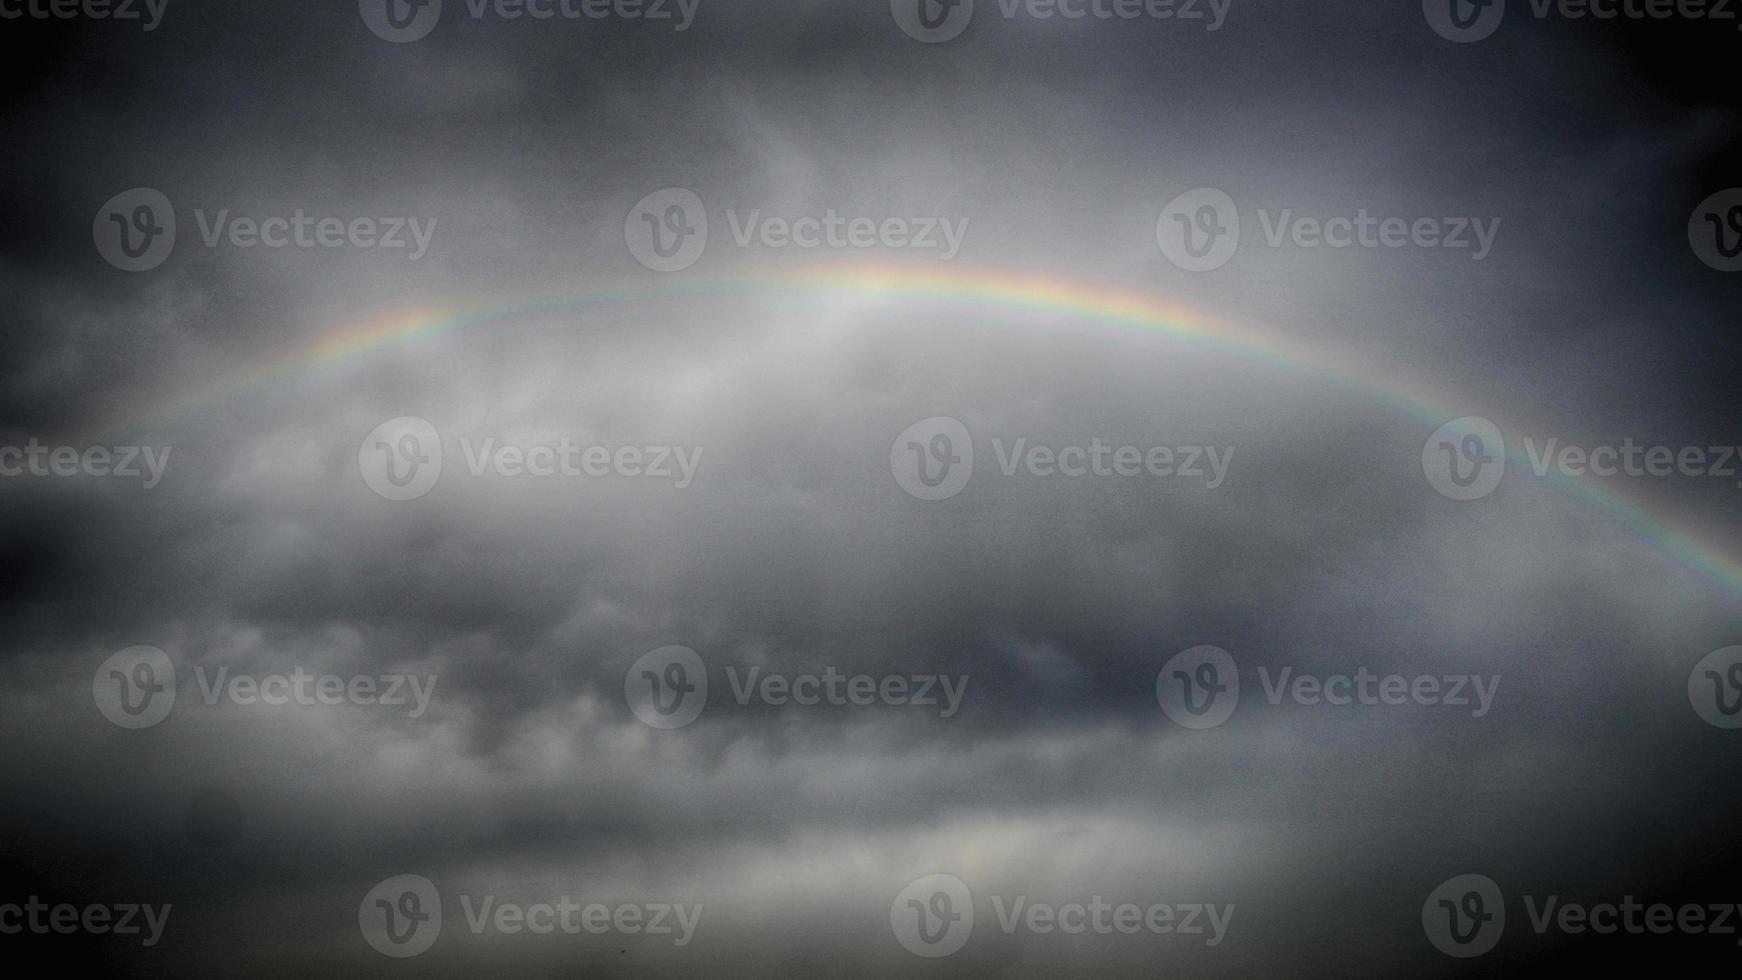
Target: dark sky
x: 526, y: 150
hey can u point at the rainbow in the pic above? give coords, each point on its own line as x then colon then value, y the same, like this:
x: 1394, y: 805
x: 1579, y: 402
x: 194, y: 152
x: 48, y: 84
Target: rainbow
x: 1027, y: 293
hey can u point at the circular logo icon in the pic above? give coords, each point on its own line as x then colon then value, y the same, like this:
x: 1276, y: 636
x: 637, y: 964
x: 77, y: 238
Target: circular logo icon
x: 932, y: 21
x: 667, y: 230
x: 1465, y: 458
x: 402, y: 916
x: 1199, y: 230
x: 1464, y: 21
x: 933, y: 916
x: 933, y: 458
x: 1465, y: 916
x: 135, y: 230
x: 1198, y: 688
x: 668, y: 687
x: 401, y: 459
x: 135, y: 688
x: 1715, y: 688
x: 1715, y: 230
x: 400, y: 21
